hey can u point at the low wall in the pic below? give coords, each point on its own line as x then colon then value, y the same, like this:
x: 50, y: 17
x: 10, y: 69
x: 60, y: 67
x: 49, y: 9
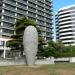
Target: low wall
x: 62, y: 59
x: 72, y: 59
x: 66, y: 59
x: 6, y: 62
x: 45, y: 61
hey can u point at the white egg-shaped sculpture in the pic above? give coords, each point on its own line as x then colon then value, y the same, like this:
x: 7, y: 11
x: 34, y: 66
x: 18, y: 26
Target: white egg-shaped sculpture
x: 30, y: 43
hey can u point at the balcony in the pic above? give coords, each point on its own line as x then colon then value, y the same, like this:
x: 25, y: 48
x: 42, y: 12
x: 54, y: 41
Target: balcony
x: 7, y: 27
x: 10, y: 3
x: 40, y: 4
x: 41, y: 9
x: 9, y: 14
x: 5, y: 34
x: 33, y: 1
x: 13, y: 10
x: 31, y: 5
x: 41, y: 19
x: 30, y: 15
x: 22, y: 7
x: 31, y: 10
x: 23, y: 2
x: 8, y: 21
x: 21, y: 12
x: 0, y: 2
x: 42, y: 1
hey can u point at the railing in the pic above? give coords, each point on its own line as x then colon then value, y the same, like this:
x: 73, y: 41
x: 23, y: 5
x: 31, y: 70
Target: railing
x: 10, y: 2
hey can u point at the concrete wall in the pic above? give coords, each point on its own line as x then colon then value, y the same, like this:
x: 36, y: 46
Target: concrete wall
x: 45, y: 61
x: 6, y: 62
x: 51, y: 60
x: 65, y: 59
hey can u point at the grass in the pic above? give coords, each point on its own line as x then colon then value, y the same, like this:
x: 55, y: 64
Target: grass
x: 56, y: 69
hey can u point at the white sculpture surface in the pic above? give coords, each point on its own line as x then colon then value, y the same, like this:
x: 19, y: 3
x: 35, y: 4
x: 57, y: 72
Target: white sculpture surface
x: 30, y: 42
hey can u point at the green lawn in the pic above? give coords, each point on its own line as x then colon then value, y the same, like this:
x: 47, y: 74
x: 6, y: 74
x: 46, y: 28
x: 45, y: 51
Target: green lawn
x: 57, y: 69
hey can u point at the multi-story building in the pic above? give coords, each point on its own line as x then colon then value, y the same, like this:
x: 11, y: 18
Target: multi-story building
x: 38, y: 10
x: 65, y: 25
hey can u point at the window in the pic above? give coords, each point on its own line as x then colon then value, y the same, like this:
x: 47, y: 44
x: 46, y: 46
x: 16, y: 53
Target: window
x: 8, y: 31
x: 22, y: 11
x: 24, y: 0
x: 10, y: 7
x: 7, y: 18
x: 5, y: 24
x: 2, y: 43
x: 9, y: 13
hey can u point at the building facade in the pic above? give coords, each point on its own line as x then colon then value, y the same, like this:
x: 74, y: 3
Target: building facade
x: 38, y: 10
x: 65, y: 25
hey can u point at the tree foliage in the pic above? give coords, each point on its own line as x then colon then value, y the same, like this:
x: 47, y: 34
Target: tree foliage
x: 57, y: 49
x: 17, y: 40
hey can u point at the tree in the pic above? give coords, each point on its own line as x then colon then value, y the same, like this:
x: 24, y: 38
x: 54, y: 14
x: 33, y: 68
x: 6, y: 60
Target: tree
x: 69, y: 51
x: 16, y: 43
x: 54, y: 49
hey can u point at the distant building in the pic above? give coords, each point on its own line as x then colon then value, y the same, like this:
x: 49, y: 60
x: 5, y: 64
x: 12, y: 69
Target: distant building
x: 65, y: 25
x: 38, y: 10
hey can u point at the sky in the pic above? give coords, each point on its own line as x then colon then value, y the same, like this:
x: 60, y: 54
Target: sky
x: 57, y: 4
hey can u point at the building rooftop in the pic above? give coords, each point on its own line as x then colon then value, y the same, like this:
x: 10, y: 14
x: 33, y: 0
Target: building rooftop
x: 66, y: 7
